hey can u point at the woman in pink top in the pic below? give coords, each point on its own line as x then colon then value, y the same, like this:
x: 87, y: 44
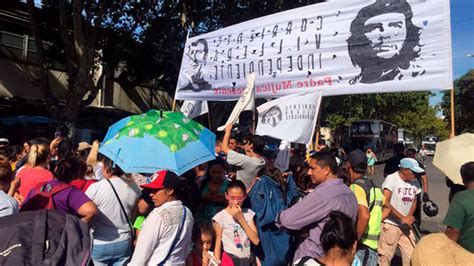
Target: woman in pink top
x: 35, y: 172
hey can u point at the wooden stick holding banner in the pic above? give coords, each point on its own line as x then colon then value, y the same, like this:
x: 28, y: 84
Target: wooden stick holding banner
x: 453, y: 134
x: 174, y: 105
x: 187, y: 37
x: 209, y: 119
x: 254, y: 113
x: 318, y: 126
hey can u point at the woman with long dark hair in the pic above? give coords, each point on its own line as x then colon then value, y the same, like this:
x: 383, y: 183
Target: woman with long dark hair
x: 165, y: 237
x: 339, y: 242
x: 271, y: 194
x: 213, y: 190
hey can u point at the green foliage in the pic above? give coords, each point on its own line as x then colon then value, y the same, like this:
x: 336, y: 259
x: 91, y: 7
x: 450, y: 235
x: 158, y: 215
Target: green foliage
x: 463, y: 103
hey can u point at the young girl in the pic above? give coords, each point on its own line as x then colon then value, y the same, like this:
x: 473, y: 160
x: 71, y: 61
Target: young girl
x: 371, y: 159
x: 235, y: 227
x: 213, y: 191
x: 203, y: 237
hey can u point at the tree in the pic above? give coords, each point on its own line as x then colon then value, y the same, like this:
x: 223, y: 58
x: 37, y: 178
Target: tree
x: 463, y: 103
x: 148, y: 36
x: 77, y: 31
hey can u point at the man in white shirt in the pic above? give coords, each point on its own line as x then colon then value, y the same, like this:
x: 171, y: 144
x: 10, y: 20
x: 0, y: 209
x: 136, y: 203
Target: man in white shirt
x: 400, y: 190
x: 248, y: 164
x: 165, y: 237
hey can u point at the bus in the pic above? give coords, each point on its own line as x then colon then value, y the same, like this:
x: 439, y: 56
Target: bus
x: 429, y: 141
x: 406, y: 137
x: 378, y: 135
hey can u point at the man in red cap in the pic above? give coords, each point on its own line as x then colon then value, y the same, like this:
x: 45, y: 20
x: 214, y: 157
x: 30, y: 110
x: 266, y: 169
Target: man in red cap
x: 166, y: 233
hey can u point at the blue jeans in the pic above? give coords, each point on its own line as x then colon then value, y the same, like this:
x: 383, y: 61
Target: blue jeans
x: 113, y: 254
x: 372, y: 256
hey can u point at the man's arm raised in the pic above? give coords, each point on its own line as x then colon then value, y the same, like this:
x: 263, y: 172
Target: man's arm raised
x: 225, y: 140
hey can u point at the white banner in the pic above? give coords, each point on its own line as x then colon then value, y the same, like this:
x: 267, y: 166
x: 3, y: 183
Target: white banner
x: 339, y: 47
x: 194, y: 109
x: 246, y: 102
x: 292, y: 118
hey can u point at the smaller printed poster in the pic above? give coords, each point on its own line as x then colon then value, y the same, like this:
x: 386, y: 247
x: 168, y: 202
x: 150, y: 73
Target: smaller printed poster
x: 292, y: 118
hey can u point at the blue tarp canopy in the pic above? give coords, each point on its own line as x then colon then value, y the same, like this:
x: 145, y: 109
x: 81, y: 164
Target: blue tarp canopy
x: 23, y: 119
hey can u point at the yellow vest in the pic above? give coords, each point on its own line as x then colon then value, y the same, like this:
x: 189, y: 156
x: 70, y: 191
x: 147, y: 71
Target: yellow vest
x: 375, y: 202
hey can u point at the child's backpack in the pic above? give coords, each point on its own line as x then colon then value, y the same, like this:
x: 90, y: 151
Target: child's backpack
x: 44, y: 237
x: 42, y: 197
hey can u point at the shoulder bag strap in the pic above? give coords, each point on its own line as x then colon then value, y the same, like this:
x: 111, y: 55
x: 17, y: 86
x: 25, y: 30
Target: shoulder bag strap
x: 176, y: 238
x: 368, y: 187
x: 123, y: 210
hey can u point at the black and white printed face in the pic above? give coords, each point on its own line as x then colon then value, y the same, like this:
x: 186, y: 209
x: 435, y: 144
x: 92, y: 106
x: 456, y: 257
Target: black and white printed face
x: 272, y: 117
x: 197, y: 54
x: 386, y: 34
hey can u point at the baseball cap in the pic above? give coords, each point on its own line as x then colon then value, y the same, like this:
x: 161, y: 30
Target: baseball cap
x: 4, y: 140
x: 163, y: 179
x: 412, y: 164
x: 83, y: 145
x: 358, y: 160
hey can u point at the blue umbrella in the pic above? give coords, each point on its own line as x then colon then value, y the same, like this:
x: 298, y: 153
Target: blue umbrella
x: 156, y: 141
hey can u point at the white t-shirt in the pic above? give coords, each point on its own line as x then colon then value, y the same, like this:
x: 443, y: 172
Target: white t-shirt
x: 158, y: 233
x: 403, y: 195
x: 234, y: 239
x: 110, y: 225
x: 8, y: 205
x: 247, y: 167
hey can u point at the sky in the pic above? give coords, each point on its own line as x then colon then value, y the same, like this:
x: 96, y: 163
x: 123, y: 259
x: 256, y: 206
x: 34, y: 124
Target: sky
x: 462, y: 38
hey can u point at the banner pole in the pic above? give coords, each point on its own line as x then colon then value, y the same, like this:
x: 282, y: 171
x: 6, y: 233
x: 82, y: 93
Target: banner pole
x: 174, y: 105
x: 253, y: 121
x: 174, y: 97
x: 209, y: 119
x: 318, y: 125
x: 452, y: 115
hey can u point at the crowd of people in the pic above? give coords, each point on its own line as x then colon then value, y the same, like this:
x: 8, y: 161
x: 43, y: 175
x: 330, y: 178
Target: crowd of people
x: 239, y: 209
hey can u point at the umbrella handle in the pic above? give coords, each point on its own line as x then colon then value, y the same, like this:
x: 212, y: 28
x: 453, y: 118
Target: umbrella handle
x: 116, y: 157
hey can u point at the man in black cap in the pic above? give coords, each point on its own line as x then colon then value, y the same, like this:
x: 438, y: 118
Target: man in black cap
x: 391, y: 165
x: 369, y: 212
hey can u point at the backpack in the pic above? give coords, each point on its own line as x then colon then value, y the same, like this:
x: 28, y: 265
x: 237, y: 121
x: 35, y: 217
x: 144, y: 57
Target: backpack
x: 42, y: 197
x: 44, y: 237
x: 367, y: 185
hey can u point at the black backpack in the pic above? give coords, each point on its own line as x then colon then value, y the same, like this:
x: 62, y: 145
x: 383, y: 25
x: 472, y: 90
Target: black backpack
x: 44, y: 237
x: 369, y: 187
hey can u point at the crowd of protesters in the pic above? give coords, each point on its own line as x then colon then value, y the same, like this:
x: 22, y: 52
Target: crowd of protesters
x: 238, y: 209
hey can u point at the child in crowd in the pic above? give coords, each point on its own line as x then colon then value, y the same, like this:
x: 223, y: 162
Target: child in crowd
x: 371, y: 160
x: 203, y: 238
x: 235, y: 227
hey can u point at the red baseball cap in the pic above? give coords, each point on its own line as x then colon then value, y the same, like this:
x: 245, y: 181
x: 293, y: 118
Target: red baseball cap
x: 163, y: 179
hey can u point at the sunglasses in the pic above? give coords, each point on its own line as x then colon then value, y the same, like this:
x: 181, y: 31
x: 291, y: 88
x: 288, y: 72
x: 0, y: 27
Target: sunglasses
x: 237, y: 198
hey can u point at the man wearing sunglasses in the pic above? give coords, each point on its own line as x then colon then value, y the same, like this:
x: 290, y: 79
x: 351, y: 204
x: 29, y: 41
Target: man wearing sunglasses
x: 400, y: 190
